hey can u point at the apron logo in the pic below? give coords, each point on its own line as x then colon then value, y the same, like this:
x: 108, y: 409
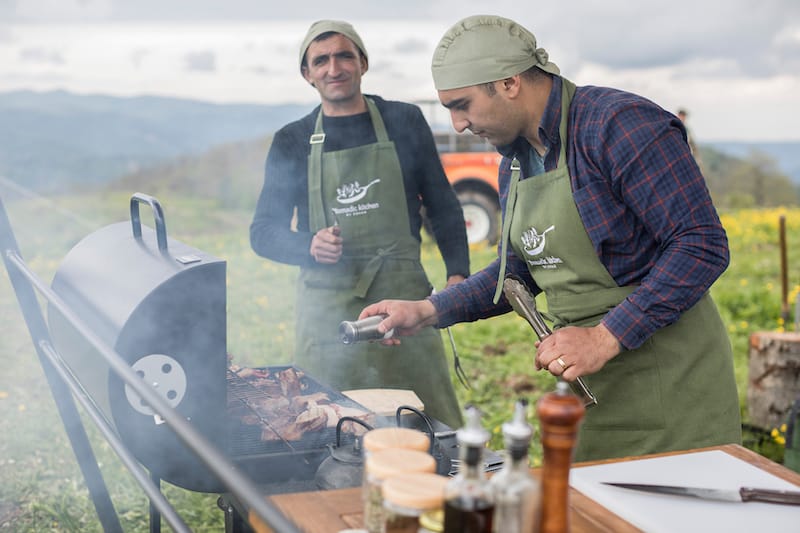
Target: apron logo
x: 533, y: 241
x: 353, y: 192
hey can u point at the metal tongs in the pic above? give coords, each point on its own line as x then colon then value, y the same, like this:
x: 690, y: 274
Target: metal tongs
x: 523, y: 302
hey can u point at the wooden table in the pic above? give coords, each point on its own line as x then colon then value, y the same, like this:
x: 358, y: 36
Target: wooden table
x: 334, y: 510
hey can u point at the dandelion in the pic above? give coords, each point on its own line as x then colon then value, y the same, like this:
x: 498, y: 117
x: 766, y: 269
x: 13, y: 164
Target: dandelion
x: 743, y: 282
x: 779, y: 434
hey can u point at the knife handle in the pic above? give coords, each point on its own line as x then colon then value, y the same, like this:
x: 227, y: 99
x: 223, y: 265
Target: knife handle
x: 787, y: 497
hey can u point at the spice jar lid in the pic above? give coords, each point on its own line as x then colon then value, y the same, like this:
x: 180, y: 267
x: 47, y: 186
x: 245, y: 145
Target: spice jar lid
x: 418, y: 490
x: 392, y: 461
x: 393, y: 437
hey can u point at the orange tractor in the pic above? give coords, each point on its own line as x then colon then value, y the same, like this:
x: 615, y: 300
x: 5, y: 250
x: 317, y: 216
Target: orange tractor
x: 474, y: 178
x: 471, y: 167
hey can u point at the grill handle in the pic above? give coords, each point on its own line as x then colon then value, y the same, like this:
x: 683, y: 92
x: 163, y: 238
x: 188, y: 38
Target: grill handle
x: 158, y: 214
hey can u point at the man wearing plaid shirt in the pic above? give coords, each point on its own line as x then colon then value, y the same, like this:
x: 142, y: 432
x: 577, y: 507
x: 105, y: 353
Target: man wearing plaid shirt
x: 605, y: 211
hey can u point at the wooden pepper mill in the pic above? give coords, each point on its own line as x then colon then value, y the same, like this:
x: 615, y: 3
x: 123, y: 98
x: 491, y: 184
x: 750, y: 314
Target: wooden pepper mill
x: 560, y: 413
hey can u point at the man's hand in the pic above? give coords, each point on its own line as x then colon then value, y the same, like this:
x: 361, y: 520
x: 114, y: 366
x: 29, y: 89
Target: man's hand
x: 574, y: 351
x: 326, y: 246
x: 456, y: 278
x: 405, y: 316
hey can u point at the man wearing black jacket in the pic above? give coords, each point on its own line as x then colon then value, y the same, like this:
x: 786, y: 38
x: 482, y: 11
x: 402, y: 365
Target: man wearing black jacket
x: 345, y: 169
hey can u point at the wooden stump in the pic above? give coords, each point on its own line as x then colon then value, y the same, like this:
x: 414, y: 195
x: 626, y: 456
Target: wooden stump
x: 774, y: 377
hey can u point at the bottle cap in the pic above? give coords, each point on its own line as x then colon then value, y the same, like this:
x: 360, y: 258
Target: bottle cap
x: 518, y: 432
x: 472, y: 434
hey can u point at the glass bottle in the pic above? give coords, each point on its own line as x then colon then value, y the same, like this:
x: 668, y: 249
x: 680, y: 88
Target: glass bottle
x: 517, y: 494
x: 468, y: 502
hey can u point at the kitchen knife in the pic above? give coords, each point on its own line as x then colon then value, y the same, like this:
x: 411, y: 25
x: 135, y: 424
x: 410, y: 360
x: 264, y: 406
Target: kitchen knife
x: 744, y: 494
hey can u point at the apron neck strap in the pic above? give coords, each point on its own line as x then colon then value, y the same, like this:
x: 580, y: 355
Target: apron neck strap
x: 318, y: 137
x: 567, y: 92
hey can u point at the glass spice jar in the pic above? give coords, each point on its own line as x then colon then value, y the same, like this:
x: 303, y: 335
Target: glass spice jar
x: 407, y: 496
x: 384, y: 438
x: 382, y: 465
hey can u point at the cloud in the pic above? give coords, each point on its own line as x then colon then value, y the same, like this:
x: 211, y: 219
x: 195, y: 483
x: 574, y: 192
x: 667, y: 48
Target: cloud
x: 55, y: 10
x: 138, y: 56
x: 261, y: 70
x: 204, y: 61
x: 6, y: 36
x: 717, y: 57
x: 411, y: 46
x: 641, y: 36
x: 207, y: 10
x: 41, y: 55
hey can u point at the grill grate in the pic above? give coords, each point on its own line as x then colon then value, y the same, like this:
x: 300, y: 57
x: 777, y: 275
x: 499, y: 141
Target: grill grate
x: 249, y: 413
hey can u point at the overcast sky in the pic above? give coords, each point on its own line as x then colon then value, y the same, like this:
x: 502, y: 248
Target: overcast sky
x: 734, y: 64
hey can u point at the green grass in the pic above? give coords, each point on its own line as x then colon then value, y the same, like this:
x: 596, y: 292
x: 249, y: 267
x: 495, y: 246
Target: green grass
x: 42, y: 488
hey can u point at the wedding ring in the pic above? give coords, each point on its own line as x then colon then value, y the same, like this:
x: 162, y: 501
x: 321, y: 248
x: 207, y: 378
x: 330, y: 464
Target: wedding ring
x: 562, y: 363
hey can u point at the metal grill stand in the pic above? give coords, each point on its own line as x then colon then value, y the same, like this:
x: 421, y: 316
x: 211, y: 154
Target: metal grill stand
x: 64, y: 385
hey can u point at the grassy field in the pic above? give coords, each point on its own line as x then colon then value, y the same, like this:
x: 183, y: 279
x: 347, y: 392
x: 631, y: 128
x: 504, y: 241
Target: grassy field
x: 42, y: 488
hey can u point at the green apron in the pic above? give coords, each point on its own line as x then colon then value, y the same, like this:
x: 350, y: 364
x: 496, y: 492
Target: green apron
x: 362, y: 190
x: 676, y: 391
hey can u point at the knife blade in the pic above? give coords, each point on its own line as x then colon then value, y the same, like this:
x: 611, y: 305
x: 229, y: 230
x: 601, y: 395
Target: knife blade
x: 744, y: 494
x: 523, y: 302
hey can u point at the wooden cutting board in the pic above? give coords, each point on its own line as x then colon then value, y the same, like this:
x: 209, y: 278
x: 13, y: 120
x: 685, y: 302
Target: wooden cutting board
x: 384, y: 402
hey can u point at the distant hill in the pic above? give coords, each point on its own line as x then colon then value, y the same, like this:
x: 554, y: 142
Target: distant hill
x: 228, y: 175
x: 785, y: 154
x: 55, y: 141
x: 50, y: 141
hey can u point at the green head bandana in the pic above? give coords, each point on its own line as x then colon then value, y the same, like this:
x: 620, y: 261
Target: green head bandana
x: 324, y: 26
x: 485, y: 48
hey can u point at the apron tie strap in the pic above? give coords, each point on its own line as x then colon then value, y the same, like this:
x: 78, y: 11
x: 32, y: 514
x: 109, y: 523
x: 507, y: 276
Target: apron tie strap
x: 372, y: 268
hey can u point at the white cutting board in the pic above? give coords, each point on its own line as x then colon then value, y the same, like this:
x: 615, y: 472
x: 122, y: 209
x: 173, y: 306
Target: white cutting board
x: 656, y: 513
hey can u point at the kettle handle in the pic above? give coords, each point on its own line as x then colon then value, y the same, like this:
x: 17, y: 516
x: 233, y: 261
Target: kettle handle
x: 351, y: 419
x: 158, y: 214
x: 422, y: 415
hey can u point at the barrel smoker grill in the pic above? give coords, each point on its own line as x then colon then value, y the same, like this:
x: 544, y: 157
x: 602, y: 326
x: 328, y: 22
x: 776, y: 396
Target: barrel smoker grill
x: 162, y: 308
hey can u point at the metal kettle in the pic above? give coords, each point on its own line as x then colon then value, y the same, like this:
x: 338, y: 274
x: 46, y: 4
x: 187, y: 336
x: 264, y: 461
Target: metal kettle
x: 345, y: 466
